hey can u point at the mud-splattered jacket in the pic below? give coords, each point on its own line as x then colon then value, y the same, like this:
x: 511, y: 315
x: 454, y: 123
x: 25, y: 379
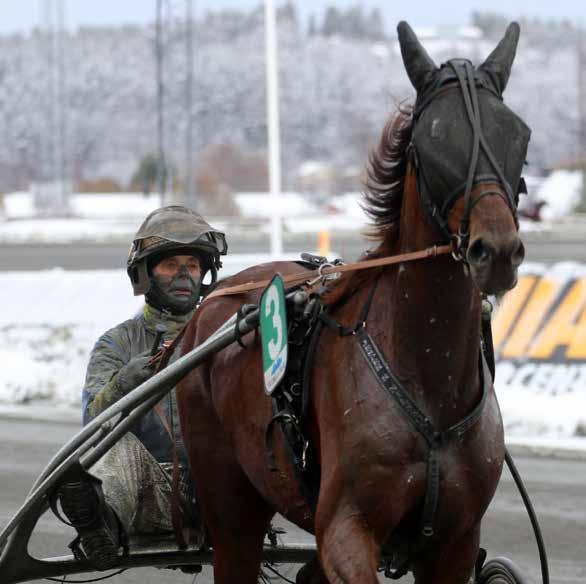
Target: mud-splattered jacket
x: 113, y: 350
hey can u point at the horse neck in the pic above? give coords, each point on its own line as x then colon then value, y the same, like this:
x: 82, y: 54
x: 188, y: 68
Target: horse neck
x: 434, y: 317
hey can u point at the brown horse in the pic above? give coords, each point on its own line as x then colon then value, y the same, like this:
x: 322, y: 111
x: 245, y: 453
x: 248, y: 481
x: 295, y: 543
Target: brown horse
x: 448, y: 170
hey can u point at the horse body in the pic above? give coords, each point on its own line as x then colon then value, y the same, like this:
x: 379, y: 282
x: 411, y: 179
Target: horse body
x: 425, y: 318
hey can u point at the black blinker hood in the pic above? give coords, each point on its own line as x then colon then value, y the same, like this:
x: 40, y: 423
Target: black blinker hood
x: 443, y: 139
x: 463, y: 134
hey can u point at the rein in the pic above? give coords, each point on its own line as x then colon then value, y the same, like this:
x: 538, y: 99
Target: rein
x: 327, y: 269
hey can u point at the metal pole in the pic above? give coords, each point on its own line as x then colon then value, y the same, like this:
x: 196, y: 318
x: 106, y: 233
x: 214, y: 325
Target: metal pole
x: 274, y: 139
x: 190, y: 195
x: 582, y: 114
x: 53, y: 143
x: 45, y: 130
x: 161, y: 165
x: 62, y: 107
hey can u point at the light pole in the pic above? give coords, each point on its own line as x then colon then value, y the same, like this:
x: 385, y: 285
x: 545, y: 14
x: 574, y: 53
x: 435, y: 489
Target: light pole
x: 274, y: 140
x: 190, y: 195
x: 161, y: 164
x: 62, y: 105
x: 582, y: 113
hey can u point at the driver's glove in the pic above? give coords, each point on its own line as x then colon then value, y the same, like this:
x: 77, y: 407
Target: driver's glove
x: 135, y: 372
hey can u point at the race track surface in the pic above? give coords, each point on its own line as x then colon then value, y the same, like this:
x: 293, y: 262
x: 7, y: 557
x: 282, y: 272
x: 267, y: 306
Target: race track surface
x: 557, y: 489
x: 90, y: 256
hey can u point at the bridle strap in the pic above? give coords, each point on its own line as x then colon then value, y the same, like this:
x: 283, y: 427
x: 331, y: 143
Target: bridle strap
x: 470, y: 96
x: 471, y: 103
x: 300, y: 277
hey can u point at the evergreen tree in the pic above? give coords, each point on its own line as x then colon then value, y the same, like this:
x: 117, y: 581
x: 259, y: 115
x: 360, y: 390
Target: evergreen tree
x: 375, y: 26
x: 331, y: 25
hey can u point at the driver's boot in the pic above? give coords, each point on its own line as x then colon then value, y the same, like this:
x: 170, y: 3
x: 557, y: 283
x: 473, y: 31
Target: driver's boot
x: 100, y: 532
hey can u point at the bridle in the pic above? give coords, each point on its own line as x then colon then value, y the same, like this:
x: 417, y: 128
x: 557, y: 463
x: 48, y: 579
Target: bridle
x: 463, y: 76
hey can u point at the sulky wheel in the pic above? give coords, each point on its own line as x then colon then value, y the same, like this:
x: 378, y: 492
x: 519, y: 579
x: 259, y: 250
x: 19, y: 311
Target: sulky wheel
x: 501, y: 571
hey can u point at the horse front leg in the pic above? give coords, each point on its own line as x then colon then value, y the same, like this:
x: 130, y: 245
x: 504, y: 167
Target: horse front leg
x: 449, y: 561
x: 238, y: 559
x: 348, y: 550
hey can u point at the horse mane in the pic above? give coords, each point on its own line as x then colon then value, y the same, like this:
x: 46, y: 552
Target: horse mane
x: 381, y: 200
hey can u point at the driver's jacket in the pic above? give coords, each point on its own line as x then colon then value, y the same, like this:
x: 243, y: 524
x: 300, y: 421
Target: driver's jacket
x: 112, y: 351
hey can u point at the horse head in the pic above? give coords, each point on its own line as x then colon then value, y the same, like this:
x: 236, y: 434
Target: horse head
x: 468, y: 149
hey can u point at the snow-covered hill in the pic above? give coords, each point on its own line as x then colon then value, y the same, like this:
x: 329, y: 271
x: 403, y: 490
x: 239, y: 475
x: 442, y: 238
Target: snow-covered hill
x: 335, y: 95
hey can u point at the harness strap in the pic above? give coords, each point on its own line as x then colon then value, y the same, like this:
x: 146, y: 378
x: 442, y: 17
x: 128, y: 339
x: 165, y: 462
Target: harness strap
x: 487, y: 340
x: 378, y: 365
x: 161, y: 358
x: 294, y: 439
x: 307, y: 369
x: 421, y: 422
x: 471, y: 104
x: 470, y: 96
x: 345, y: 331
x: 176, y: 511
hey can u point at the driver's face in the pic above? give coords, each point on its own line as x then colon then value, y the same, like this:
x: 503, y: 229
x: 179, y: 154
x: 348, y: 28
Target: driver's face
x: 173, y: 265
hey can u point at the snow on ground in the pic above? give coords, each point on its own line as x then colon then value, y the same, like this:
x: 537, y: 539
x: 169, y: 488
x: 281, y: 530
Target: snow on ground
x: 21, y: 205
x: 528, y: 413
x: 51, y: 319
x: 261, y: 205
x: 104, y: 216
x: 561, y: 192
x: 66, y: 230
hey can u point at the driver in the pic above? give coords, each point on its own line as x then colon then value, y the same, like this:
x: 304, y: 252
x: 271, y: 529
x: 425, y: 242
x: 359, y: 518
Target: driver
x: 129, y: 488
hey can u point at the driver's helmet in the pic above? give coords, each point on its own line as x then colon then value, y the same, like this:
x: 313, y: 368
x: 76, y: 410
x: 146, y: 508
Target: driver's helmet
x: 174, y: 229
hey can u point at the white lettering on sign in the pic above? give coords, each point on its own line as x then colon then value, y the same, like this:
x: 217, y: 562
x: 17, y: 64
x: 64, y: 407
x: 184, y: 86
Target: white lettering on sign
x: 552, y: 378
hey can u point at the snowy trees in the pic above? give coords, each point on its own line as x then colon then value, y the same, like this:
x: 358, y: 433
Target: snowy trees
x: 336, y: 90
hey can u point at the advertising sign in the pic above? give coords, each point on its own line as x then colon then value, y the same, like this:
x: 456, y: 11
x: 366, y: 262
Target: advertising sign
x: 539, y: 330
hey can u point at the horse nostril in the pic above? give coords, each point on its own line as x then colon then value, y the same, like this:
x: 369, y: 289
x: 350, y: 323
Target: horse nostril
x: 478, y: 252
x: 518, y: 255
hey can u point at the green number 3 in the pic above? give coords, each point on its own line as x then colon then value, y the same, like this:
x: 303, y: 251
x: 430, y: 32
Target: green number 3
x: 272, y: 307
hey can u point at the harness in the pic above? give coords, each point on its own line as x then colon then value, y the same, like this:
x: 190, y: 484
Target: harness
x: 290, y: 400
x: 434, y: 439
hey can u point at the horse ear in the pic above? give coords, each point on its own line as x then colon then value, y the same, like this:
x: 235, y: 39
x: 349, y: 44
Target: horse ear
x: 498, y: 64
x: 418, y: 64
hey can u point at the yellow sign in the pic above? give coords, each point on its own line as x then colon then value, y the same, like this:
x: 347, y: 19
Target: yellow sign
x: 543, y: 319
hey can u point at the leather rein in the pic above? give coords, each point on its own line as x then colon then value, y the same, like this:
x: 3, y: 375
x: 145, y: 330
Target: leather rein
x: 328, y: 269
x: 161, y: 358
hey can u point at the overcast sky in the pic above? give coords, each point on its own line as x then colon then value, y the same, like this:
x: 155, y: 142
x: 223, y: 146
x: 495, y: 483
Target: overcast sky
x: 22, y: 15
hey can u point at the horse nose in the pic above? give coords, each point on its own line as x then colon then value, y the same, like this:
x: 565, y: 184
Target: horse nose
x: 482, y: 251
x: 518, y: 252
x: 479, y: 252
